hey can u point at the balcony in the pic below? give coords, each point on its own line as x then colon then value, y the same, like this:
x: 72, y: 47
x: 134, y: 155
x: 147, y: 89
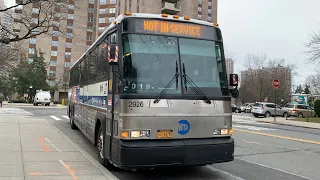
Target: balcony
x: 170, y: 8
x: 170, y: 1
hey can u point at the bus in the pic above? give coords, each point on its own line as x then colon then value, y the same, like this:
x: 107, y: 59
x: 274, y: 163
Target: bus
x: 152, y: 91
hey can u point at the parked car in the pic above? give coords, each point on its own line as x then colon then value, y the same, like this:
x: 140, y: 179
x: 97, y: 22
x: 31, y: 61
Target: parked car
x: 235, y: 108
x: 245, y: 107
x: 268, y: 109
x: 300, y: 110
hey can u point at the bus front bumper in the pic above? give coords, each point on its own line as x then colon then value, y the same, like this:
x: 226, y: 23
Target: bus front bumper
x: 186, y: 152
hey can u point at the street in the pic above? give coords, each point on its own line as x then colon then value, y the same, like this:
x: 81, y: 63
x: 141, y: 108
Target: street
x: 262, y: 150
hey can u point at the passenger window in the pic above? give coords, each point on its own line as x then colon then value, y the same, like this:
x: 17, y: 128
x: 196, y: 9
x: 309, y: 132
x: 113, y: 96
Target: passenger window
x: 93, y: 64
x: 102, y: 69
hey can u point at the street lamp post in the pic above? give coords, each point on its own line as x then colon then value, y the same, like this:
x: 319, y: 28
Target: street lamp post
x: 30, y: 92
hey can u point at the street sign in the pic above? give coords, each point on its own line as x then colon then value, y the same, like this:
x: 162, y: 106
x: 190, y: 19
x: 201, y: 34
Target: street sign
x: 276, y: 83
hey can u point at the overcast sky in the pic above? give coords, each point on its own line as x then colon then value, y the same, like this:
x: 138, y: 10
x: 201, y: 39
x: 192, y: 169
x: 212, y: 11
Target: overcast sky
x: 278, y: 28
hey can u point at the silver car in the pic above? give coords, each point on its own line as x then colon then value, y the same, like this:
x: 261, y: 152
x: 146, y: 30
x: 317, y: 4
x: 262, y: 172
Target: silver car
x: 268, y: 109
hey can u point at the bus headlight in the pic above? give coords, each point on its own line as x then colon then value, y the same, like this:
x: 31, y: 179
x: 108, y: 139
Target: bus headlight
x: 141, y: 133
x: 224, y: 131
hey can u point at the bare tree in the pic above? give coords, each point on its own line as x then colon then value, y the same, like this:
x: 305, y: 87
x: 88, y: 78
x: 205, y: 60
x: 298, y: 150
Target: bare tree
x: 36, y: 17
x: 10, y: 55
x: 313, y: 46
x: 256, y: 82
x: 314, y: 81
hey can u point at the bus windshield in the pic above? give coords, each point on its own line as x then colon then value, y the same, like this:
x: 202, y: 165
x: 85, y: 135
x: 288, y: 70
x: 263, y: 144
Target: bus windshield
x: 150, y: 63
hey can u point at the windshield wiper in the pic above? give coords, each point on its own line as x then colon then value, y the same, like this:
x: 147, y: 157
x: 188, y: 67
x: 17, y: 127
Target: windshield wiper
x: 175, y: 77
x: 193, y: 86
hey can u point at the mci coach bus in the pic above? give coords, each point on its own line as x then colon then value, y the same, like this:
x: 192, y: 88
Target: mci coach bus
x: 152, y: 91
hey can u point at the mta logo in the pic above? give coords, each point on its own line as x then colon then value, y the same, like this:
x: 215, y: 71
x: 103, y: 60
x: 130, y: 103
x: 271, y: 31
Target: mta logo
x: 184, y: 127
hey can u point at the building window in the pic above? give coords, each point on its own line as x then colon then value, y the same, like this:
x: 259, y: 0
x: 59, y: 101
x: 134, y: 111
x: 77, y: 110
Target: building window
x: 30, y: 60
x: 113, y: 1
x: 90, y: 19
x: 199, y: 9
x: 66, y: 64
x: 68, y: 45
x: 55, y: 33
x: 32, y: 40
x: 90, y: 10
x: 102, y: 20
x: 87, y: 47
x: 54, y: 53
x: 91, y: 1
x: 209, y: 18
x: 52, y: 73
x: 57, y: 14
x: 209, y: 3
x: 70, y: 16
x: 103, y: 2
x: 69, y: 35
x: 51, y: 83
x: 54, y: 43
x: 69, y: 25
x: 35, y: 10
x: 209, y: 11
x: 35, y: 20
x: 53, y: 63
x: 70, y: 6
x: 101, y: 29
x: 67, y: 54
x: 34, y: 31
x: 199, y: 1
x: 102, y: 11
x: 111, y: 19
x: 199, y: 16
x: 89, y: 28
x: 31, y: 50
x: 112, y: 10
x: 89, y: 38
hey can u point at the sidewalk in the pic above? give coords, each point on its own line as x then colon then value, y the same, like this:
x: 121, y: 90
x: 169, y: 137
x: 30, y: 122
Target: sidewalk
x: 6, y: 104
x: 281, y: 121
x: 34, y: 149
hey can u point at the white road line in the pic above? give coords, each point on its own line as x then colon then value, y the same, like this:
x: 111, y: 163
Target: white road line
x: 272, y: 168
x: 55, y: 118
x: 65, y: 116
x: 53, y: 145
x: 224, y: 172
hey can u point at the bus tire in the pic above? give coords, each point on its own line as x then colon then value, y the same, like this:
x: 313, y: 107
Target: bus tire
x: 101, y: 157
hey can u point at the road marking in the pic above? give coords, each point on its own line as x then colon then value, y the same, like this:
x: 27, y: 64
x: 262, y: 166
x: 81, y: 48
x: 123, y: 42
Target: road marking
x: 15, y: 111
x: 272, y: 168
x: 44, y: 145
x: 250, y: 142
x: 55, y: 118
x: 280, y: 137
x: 53, y: 145
x: 42, y: 173
x: 65, y: 116
x: 224, y: 172
x: 256, y: 128
x: 67, y: 166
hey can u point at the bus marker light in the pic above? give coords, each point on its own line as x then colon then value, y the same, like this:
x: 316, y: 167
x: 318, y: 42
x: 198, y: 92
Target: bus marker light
x: 216, y: 24
x: 124, y: 134
x: 176, y: 16
x: 114, y: 22
x: 186, y: 18
x: 224, y: 131
x: 164, y: 15
x: 230, y: 131
x: 127, y: 13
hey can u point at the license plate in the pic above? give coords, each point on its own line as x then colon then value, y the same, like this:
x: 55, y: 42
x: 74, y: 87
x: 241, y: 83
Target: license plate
x: 164, y: 133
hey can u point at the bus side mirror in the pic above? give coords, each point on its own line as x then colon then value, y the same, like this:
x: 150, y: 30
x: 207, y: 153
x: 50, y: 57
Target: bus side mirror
x: 113, y: 54
x: 234, y: 80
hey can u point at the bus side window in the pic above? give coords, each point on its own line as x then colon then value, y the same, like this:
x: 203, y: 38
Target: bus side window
x: 102, y: 69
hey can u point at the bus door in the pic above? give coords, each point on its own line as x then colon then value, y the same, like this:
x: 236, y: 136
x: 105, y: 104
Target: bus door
x: 110, y: 130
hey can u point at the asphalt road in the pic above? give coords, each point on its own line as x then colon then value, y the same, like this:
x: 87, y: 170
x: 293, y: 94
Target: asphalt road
x: 263, y: 151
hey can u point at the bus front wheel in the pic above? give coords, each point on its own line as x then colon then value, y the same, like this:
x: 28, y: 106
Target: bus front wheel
x: 72, y: 125
x: 100, y: 147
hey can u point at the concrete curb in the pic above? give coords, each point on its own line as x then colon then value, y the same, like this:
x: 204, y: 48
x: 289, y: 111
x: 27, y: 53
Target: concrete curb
x: 293, y: 125
x: 103, y: 169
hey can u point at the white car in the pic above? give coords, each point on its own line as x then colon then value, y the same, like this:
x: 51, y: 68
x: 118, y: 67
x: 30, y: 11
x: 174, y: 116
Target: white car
x: 42, y: 97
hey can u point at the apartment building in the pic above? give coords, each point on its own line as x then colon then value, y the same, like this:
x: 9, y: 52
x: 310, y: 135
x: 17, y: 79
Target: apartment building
x: 86, y: 21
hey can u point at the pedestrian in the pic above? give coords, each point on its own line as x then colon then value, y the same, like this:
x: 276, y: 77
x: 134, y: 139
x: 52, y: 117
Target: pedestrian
x: 1, y: 99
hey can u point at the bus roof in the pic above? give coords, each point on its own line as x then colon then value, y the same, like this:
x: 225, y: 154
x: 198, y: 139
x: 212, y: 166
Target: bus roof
x: 142, y: 15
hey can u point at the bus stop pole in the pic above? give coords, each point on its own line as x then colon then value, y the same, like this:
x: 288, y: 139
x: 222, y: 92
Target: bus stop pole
x: 275, y: 104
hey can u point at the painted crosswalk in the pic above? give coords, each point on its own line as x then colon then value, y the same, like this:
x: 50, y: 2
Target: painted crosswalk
x: 250, y: 124
x: 15, y: 112
x: 59, y: 118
